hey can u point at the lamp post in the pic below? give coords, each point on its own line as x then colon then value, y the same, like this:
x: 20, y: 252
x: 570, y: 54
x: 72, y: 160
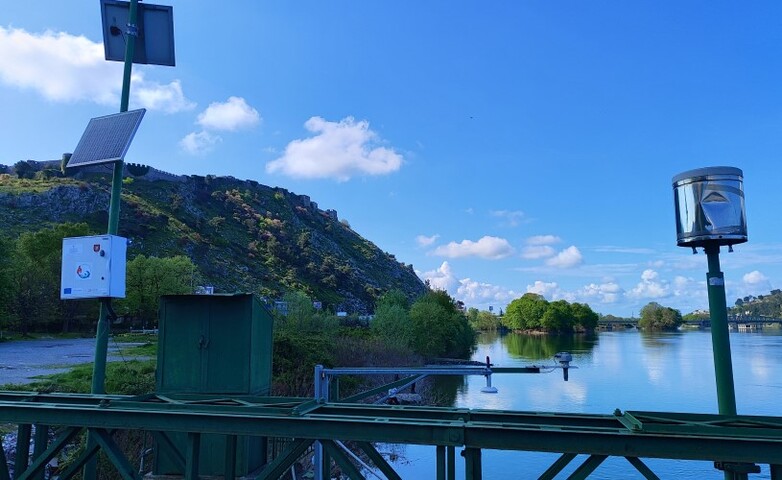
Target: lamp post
x: 710, y: 213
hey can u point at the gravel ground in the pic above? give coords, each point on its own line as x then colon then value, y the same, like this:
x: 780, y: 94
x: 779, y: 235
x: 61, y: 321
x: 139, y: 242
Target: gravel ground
x: 21, y: 361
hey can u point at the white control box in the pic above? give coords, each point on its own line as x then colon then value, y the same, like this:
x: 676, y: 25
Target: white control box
x: 93, y: 267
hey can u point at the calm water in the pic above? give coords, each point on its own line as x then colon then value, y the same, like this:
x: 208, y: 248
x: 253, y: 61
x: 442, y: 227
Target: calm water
x: 628, y: 370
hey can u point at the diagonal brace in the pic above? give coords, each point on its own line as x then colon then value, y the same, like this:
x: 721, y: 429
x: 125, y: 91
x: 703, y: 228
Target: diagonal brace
x: 586, y: 468
x: 114, y: 453
x: 557, y: 466
x: 642, y: 468
x: 40, y: 462
x: 381, y: 462
x: 284, y: 460
x: 342, y: 460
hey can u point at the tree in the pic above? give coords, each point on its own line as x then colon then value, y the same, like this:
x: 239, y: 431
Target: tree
x: 438, y: 328
x: 583, y: 317
x: 392, y: 318
x: 24, y: 169
x: 35, y: 272
x: 656, y: 317
x: 557, y: 317
x: 6, y: 280
x: 525, y: 313
x: 300, y: 312
x: 150, y: 277
x: 483, y: 320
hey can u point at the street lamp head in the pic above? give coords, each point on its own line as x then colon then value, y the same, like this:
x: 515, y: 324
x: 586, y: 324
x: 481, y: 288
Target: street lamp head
x: 709, y: 206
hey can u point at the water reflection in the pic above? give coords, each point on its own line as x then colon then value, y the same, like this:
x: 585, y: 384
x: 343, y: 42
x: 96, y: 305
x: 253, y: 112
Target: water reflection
x: 660, y: 339
x: 629, y: 370
x: 543, y: 347
x: 446, y: 389
x: 516, y: 350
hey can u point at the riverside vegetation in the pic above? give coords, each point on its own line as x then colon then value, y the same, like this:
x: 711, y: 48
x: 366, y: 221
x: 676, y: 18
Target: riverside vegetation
x: 237, y: 236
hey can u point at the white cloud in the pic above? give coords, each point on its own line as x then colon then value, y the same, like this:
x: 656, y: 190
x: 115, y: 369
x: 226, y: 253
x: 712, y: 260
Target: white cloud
x: 608, y: 292
x: 543, y: 240
x: 755, y: 278
x: 234, y: 114
x: 549, y: 290
x: 686, y: 287
x: 424, y: 241
x: 339, y: 150
x: 511, y: 218
x: 473, y: 293
x: 649, y: 275
x: 537, y: 251
x: 567, y: 258
x: 650, y: 286
x: 492, y: 248
x: 477, y: 293
x: 199, y: 143
x: 442, y: 278
x: 154, y: 96
x: 67, y: 68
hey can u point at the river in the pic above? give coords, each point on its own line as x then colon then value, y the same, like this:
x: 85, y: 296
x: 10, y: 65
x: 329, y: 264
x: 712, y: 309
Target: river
x: 629, y: 370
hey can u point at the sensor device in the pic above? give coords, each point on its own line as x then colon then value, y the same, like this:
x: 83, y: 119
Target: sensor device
x: 93, y: 267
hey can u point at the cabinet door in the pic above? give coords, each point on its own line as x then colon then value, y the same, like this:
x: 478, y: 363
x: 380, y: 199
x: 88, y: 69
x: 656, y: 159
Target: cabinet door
x: 228, y: 351
x: 182, y: 338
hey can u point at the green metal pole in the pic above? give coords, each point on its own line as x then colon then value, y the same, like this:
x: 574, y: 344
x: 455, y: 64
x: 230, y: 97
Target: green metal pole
x: 720, y: 340
x: 723, y: 367
x: 102, y: 334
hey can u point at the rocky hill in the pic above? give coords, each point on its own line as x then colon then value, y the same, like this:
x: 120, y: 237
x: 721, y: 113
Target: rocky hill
x: 243, y: 236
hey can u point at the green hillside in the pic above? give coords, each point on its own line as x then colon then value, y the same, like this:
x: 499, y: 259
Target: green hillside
x: 242, y: 236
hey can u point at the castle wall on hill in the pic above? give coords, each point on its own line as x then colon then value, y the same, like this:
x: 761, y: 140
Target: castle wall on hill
x: 153, y: 174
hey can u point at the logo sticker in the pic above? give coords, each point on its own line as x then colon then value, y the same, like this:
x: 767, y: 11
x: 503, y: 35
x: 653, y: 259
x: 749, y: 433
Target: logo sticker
x: 83, y: 271
x: 96, y: 248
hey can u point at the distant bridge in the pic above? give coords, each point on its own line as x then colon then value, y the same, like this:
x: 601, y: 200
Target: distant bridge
x: 603, y: 324
x: 753, y: 321
x: 736, y: 320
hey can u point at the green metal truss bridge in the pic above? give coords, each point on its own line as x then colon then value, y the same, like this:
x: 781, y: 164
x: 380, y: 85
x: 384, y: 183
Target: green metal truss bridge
x: 735, y: 443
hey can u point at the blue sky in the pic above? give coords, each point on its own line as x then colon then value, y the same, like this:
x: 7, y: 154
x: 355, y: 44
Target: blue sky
x: 498, y: 147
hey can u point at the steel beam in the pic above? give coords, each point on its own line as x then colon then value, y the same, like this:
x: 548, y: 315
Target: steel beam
x: 642, y: 468
x: 4, y: 473
x: 347, y: 467
x: 115, y: 454
x: 727, y: 439
x: 284, y: 460
x: 450, y: 460
x: 379, y: 461
x: 472, y: 464
x: 22, y: 458
x: 557, y: 466
x: 36, y: 469
x: 586, y: 468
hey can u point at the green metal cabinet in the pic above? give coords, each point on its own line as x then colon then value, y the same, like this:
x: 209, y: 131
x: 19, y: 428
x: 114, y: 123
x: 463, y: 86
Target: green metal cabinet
x: 214, y: 344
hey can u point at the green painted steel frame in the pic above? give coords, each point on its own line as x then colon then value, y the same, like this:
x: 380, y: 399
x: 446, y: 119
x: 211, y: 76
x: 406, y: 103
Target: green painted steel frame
x: 632, y: 435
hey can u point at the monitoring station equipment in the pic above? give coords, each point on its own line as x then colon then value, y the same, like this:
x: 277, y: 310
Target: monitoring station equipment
x: 93, y: 267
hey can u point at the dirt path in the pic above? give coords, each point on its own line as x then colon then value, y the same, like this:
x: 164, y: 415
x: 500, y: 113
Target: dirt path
x: 20, y: 361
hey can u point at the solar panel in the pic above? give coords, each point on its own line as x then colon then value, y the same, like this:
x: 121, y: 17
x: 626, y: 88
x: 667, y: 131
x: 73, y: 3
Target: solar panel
x: 155, y: 42
x: 106, y: 139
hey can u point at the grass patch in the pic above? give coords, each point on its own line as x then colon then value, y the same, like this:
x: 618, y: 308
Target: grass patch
x: 134, y: 377
x: 145, y: 350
